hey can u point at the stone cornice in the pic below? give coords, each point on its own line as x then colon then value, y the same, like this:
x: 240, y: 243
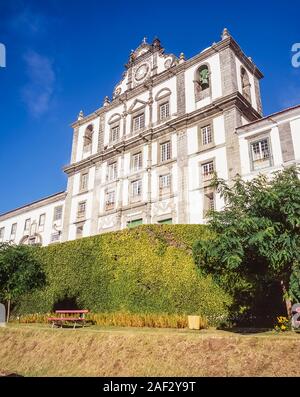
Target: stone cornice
x: 173, y: 71
x: 270, y: 120
x: 217, y: 107
x: 36, y: 204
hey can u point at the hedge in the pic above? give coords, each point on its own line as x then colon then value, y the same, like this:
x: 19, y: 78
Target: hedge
x: 148, y: 269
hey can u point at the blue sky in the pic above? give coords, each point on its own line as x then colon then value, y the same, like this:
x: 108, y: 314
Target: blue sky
x: 63, y: 56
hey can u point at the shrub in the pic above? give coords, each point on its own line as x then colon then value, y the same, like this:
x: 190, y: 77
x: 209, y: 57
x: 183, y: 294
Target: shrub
x: 142, y: 270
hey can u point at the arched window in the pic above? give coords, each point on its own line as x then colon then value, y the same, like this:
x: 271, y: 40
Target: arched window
x: 203, y: 77
x: 88, y: 137
x: 202, y: 82
x: 246, y: 86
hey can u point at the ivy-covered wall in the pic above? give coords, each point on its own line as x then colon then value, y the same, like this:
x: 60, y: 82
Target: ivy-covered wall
x: 148, y: 269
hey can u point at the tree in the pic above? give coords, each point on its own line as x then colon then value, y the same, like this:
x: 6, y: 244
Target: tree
x: 20, y: 272
x: 256, y: 237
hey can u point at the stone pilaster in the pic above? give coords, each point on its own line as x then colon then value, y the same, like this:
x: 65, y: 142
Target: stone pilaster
x: 228, y: 71
x: 180, y: 83
x: 101, y: 133
x: 258, y: 96
x: 151, y: 101
x: 74, y: 145
x: 149, y: 186
x: 67, y: 209
x: 96, y: 200
x: 286, y: 142
x: 182, y: 164
x: 232, y: 120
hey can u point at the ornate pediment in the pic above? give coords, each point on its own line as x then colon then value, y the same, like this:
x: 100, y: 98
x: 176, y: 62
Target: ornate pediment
x: 137, y: 105
x: 143, y: 49
x: 144, y: 62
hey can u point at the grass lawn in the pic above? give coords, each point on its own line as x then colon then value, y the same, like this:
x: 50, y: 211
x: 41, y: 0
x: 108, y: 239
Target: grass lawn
x: 37, y: 350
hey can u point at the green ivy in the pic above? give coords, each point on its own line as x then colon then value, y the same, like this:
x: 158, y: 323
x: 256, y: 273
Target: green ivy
x: 148, y: 269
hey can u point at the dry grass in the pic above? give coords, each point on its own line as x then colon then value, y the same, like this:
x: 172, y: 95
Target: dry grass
x: 40, y: 351
x: 123, y: 319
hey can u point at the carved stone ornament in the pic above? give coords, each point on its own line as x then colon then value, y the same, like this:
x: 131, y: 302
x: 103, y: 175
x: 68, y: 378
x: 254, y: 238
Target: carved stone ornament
x: 168, y: 63
x: 118, y: 91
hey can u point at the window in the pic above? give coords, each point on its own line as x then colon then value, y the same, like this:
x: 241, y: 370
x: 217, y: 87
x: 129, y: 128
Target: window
x: 110, y: 200
x: 81, y: 209
x: 42, y: 220
x: 55, y: 237
x: 114, y: 134
x: 112, y: 172
x: 2, y: 230
x: 207, y: 170
x: 166, y: 221
x: 202, y: 83
x: 165, y: 151
x: 165, y: 181
x: 137, y: 161
x: 206, y: 135
x: 134, y: 223
x: 209, y: 202
x: 164, y: 111
x: 32, y: 240
x: 57, y: 213
x: 84, y: 180
x: 136, y: 188
x: 79, y: 231
x: 260, y: 154
x: 88, y: 138
x: 138, y: 122
x: 27, y: 225
x: 203, y: 77
x: 13, y: 231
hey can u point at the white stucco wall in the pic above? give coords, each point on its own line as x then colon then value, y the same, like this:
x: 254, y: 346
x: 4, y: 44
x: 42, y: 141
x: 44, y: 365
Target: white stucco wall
x: 33, y: 215
x: 251, y: 79
x: 215, y: 81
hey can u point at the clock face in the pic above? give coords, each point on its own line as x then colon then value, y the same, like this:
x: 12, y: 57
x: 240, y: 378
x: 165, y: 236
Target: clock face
x: 141, y: 72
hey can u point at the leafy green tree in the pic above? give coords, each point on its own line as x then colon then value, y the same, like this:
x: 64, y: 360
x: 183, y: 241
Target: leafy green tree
x: 256, y: 237
x: 20, y: 272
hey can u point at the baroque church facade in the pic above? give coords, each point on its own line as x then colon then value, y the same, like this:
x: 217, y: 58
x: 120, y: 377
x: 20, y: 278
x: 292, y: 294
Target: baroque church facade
x: 148, y: 155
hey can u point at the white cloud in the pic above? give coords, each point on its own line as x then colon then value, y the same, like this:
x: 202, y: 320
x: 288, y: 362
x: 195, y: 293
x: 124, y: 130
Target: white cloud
x: 38, y: 92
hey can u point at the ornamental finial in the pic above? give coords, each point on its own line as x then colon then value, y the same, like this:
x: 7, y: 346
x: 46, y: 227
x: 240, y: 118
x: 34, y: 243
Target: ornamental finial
x: 225, y: 34
x: 80, y: 115
x: 106, y: 101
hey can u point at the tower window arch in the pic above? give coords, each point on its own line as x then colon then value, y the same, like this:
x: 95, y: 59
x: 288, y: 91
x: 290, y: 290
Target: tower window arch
x: 246, y: 86
x: 203, y: 77
x: 202, y: 82
x: 88, y: 138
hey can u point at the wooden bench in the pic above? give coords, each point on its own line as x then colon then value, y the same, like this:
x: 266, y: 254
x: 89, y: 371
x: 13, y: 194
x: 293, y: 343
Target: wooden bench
x: 68, y: 316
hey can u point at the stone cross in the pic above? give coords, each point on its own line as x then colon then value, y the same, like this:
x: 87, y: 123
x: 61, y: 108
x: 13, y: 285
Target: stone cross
x: 2, y: 315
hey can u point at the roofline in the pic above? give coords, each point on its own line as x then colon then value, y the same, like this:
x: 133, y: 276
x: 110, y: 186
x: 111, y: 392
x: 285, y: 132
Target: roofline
x: 201, y: 56
x: 52, y: 198
x: 268, y: 117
